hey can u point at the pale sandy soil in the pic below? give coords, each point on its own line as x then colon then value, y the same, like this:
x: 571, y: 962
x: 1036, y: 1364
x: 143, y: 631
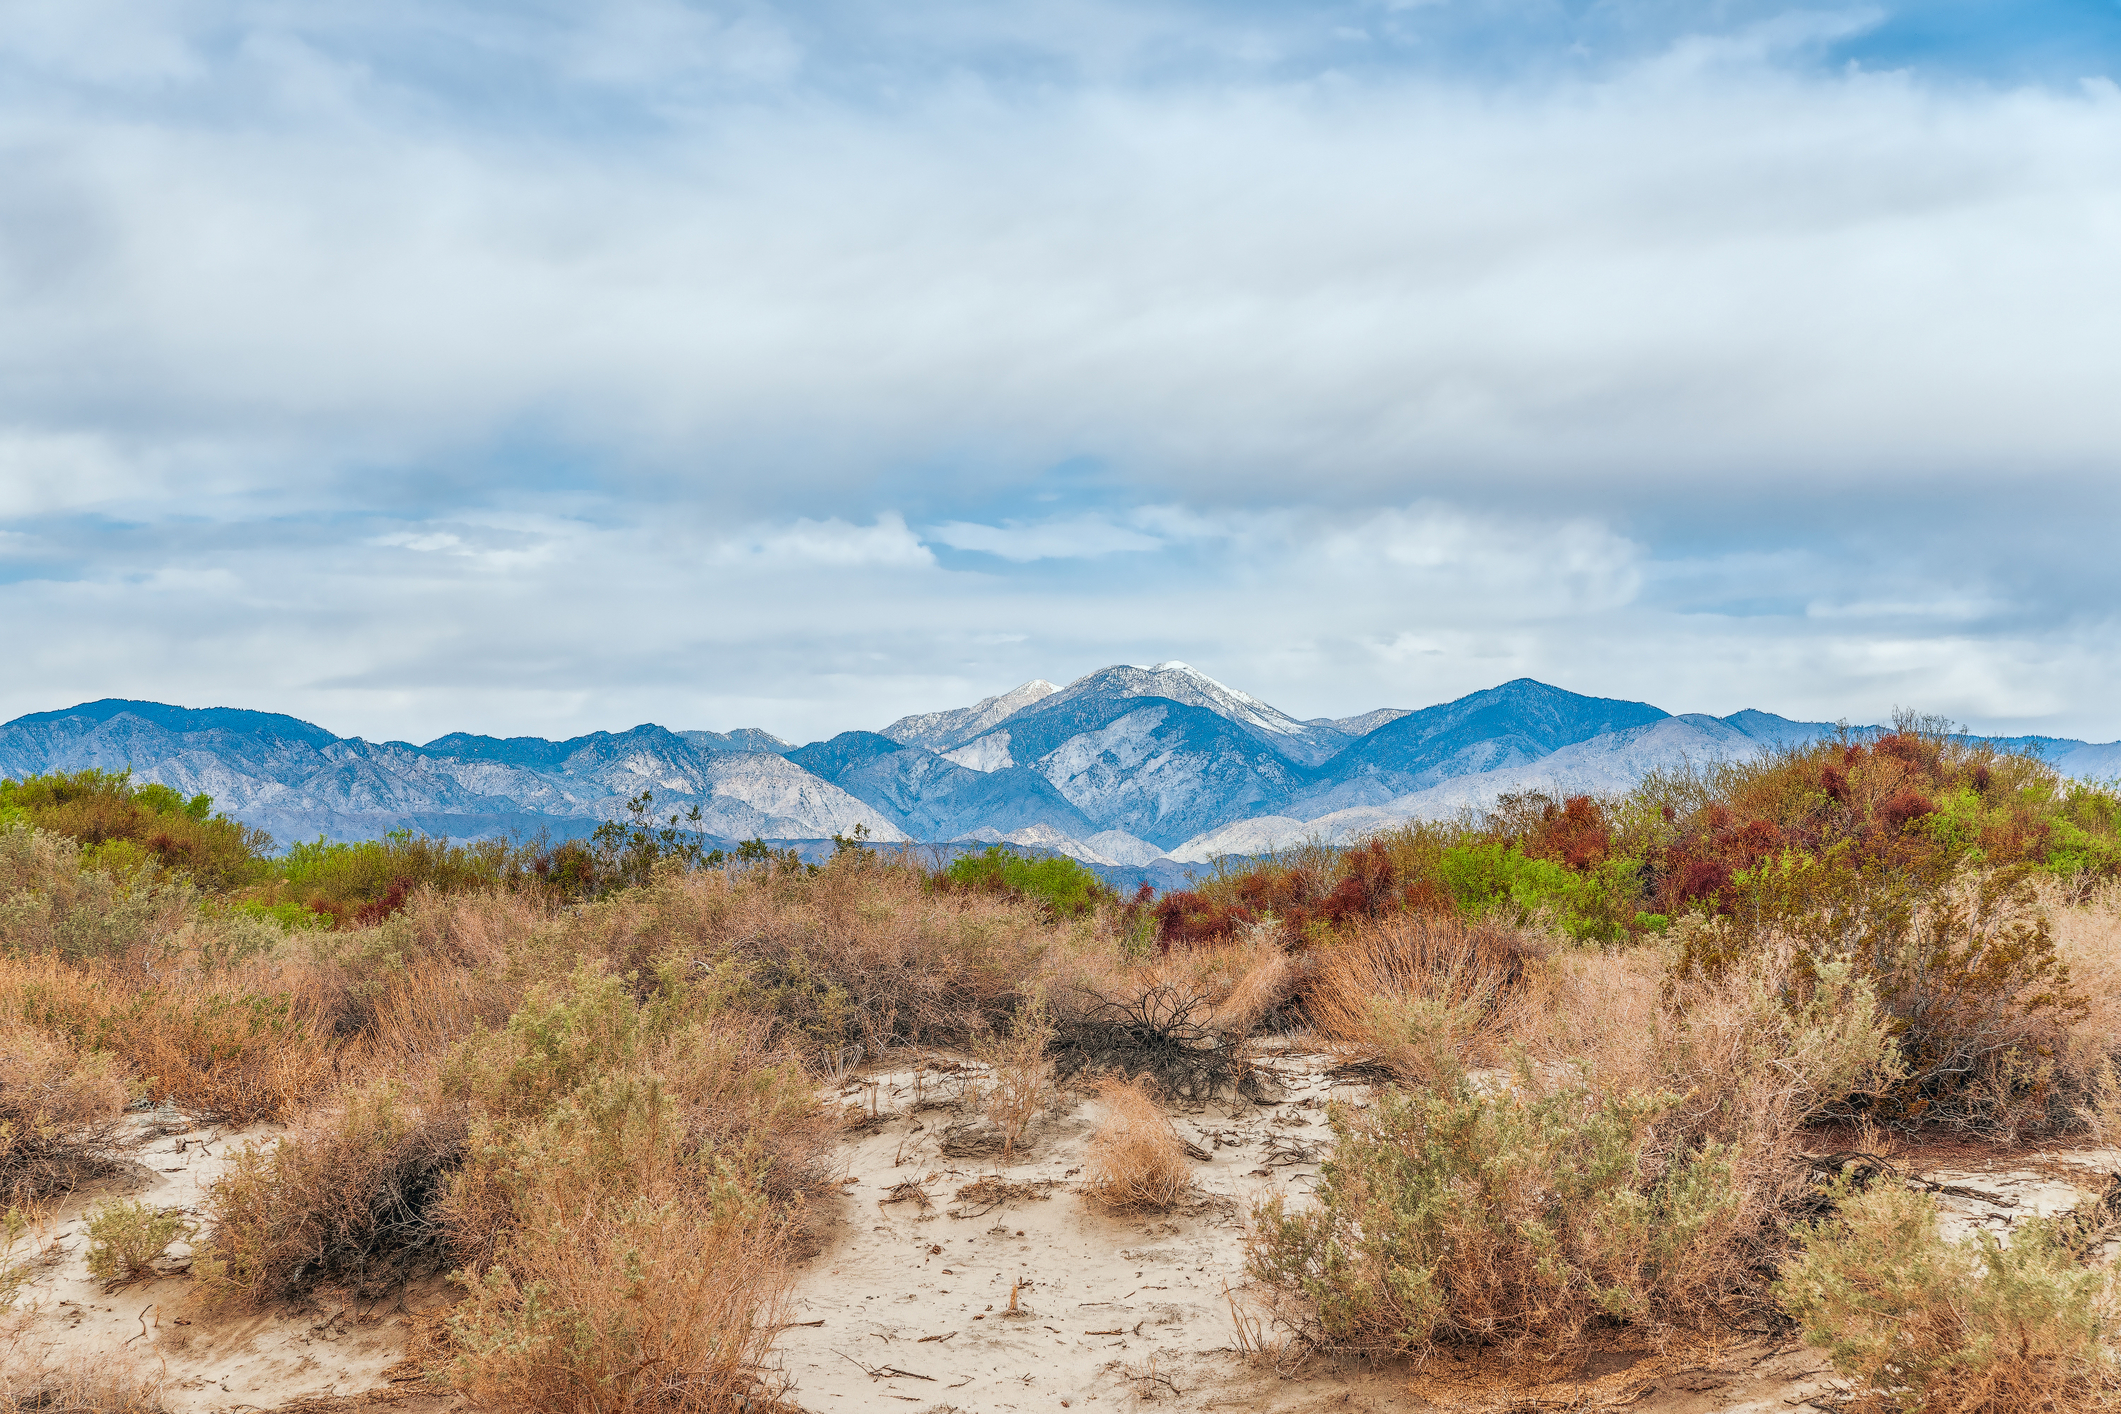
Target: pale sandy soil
x: 907, y: 1304
x: 201, y: 1361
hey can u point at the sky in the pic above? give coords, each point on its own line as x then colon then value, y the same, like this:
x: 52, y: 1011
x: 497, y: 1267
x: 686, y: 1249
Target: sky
x: 541, y: 369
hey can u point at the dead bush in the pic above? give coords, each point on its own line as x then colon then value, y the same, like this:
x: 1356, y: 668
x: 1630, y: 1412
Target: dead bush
x: 1020, y: 1079
x: 1422, y: 994
x: 354, y: 1199
x: 59, y: 1112
x: 1137, y: 1161
x: 98, y: 1386
x: 235, y: 1044
x: 664, y: 1298
x: 1152, y: 1028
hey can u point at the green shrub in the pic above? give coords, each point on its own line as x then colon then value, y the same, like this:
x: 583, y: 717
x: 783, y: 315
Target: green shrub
x: 1594, y: 903
x: 104, y: 812
x: 1457, y: 1216
x: 1965, y: 1327
x: 52, y: 902
x: 1064, y: 886
x: 124, y: 1238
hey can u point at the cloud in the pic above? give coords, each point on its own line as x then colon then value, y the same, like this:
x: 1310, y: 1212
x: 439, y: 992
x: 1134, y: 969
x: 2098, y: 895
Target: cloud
x: 830, y: 543
x: 1082, y: 537
x: 508, y: 368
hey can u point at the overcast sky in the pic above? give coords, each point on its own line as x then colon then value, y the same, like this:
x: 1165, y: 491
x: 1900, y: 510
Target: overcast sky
x: 541, y: 368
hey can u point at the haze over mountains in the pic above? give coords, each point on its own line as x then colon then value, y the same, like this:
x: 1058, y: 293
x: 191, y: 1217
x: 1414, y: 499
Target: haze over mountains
x: 1126, y: 766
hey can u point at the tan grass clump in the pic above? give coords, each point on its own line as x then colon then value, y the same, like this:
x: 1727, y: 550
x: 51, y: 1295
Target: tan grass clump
x: 1019, y: 1084
x: 1137, y: 1161
x: 1422, y: 994
x: 98, y: 1386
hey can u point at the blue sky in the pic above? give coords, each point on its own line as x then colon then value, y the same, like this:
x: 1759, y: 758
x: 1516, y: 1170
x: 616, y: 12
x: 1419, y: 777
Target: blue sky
x: 415, y: 368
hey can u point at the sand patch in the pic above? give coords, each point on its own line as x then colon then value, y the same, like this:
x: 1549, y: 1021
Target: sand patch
x: 201, y: 1360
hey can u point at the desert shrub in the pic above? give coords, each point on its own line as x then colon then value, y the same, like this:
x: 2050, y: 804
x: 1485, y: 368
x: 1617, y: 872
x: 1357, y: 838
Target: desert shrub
x: 1969, y: 1327
x: 1457, y: 1216
x: 1964, y: 964
x: 233, y: 1053
x: 1421, y: 994
x: 1755, y: 1054
x: 124, y: 1238
x: 613, y: 1216
x: 672, y: 1080
x: 359, y: 884
x: 1019, y: 1076
x: 1595, y: 900
x: 148, y: 824
x: 51, y: 903
x: 659, y: 1295
x: 1064, y: 886
x: 236, y: 1045
x: 59, y: 1112
x: 352, y: 1199
x: 1137, y: 1161
x: 857, y: 951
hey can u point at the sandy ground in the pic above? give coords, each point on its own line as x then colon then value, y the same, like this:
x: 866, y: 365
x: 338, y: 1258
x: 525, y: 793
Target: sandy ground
x: 959, y: 1281
x: 66, y: 1319
x: 937, y: 1289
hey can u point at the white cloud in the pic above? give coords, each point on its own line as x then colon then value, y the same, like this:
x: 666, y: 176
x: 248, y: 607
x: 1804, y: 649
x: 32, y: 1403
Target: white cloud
x: 1081, y: 537
x: 828, y: 543
x: 597, y: 381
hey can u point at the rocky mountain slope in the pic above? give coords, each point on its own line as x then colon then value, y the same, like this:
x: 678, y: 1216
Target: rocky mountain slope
x: 1127, y: 766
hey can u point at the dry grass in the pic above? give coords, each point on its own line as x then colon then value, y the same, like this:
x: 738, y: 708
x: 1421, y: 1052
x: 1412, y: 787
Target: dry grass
x: 1424, y: 995
x: 1019, y: 1083
x: 352, y: 1199
x: 84, y: 1387
x: 1137, y: 1161
x: 233, y: 1045
x: 59, y: 1112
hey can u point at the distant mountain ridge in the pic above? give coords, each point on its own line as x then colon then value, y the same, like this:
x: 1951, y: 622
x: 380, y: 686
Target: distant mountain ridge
x: 1135, y: 767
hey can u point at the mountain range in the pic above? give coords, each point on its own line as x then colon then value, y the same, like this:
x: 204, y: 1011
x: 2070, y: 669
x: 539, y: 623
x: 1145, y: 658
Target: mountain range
x: 1126, y: 767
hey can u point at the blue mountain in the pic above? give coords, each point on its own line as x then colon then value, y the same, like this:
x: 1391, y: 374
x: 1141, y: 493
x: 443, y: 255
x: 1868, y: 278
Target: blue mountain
x: 1119, y: 767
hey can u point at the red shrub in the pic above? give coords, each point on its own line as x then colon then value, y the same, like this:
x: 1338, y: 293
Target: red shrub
x: 1906, y: 805
x: 1577, y: 834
